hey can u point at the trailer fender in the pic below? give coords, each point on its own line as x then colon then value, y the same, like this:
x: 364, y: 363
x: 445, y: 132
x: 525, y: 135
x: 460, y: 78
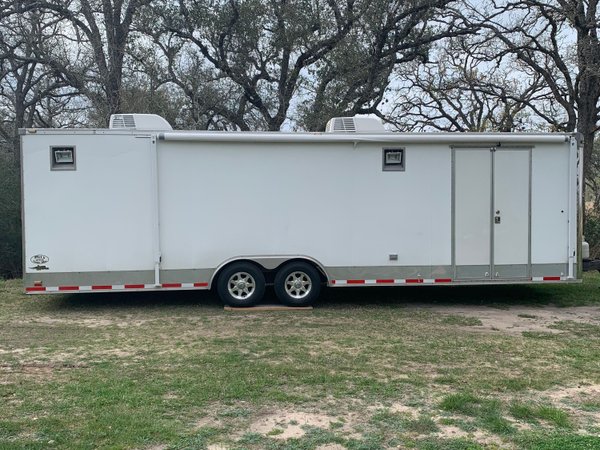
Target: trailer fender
x: 269, y: 264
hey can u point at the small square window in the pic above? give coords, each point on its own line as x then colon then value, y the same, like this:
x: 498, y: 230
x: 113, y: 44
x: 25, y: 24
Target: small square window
x: 62, y: 158
x: 393, y: 159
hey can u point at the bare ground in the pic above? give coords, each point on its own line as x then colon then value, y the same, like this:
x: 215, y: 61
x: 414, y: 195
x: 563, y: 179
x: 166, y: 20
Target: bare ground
x: 517, y: 319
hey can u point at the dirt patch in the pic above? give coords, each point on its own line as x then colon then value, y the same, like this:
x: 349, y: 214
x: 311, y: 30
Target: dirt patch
x: 331, y: 447
x: 208, y: 422
x: 451, y: 432
x: 571, y: 399
x: 404, y: 409
x: 13, y: 351
x: 289, y: 424
x: 516, y: 320
x: 38, y: 371
x: 581, y: 393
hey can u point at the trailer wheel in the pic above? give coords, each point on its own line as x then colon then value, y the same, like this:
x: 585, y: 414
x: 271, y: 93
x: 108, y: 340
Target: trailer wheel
x: 241, y: 284
x: 297, y: 284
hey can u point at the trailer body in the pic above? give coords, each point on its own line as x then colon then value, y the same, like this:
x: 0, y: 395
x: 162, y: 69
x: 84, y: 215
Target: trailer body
x: 129, y: 209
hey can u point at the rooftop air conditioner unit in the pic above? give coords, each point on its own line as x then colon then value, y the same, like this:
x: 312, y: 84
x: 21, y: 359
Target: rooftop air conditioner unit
x: 138, y: 122
x: 354, y: 125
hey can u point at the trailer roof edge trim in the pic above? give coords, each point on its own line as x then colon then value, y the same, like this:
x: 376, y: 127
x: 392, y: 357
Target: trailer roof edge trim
x: 436, y: 138
x: 449, y: 138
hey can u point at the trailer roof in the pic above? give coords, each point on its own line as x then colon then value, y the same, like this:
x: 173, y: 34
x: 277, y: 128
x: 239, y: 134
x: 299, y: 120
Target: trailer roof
x: 275, y: 136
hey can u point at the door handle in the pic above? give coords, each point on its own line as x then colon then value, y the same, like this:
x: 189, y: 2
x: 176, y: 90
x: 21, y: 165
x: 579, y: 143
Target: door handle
x: 497, y: 219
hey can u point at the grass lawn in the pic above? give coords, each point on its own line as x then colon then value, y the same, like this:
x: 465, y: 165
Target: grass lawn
x: 410, y: 367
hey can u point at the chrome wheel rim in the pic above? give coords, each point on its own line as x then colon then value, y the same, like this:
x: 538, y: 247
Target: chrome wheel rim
x: 241, y: 285
x: 298, y: 284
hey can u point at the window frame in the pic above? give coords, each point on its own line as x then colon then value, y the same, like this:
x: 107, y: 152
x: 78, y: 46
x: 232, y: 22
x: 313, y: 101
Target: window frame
x: 393, y: 167
x: 54, y: 165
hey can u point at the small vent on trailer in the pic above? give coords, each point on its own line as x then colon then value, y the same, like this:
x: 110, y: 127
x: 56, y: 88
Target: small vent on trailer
x: 354, y: 125
x: 122, y: 121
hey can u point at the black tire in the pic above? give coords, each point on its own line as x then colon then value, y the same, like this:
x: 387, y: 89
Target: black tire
x: 231, y: 288
x: 304, y: 275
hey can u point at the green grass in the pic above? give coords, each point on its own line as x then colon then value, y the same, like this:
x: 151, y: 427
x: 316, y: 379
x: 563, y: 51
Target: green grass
x: 487, y: 412
x: 366, y: 369
x: 423, y: 425
x: 554, y: 441
x: 533, y: 413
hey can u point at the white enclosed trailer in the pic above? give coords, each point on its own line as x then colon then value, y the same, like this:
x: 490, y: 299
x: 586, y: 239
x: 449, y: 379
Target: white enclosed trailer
x: 141, y: 207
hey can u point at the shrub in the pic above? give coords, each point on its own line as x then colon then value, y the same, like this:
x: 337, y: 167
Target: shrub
x: 10, y: 216
x: 591, y: 231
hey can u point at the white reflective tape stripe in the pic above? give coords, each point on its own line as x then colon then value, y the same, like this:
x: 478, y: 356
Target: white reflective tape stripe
x: 187, y: 285
x: 149, y: 286
x: 85, y: 288
x: 428, y: 280
x: 370, y: 282
x: 400, y: 281
x: 118, y: 286
x: 52, y: 289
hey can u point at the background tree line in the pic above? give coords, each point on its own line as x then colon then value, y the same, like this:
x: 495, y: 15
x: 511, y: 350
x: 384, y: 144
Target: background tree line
x: 451, y: 65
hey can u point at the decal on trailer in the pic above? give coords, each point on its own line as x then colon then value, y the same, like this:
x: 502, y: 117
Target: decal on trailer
x: 39, y: 261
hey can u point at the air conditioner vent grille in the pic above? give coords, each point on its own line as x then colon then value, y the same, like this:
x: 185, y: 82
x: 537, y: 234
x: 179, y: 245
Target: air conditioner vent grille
x: 344, y: 124
x: 123, y: 121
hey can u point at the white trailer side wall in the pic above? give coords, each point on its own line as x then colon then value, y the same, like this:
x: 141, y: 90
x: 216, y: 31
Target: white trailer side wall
x: 97, y: 218
x: 330, y: 201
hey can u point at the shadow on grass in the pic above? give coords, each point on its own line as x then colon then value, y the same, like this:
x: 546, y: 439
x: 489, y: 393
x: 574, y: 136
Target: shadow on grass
x: 136, y: 300
x: 469, y: 295
x: 501, y: 296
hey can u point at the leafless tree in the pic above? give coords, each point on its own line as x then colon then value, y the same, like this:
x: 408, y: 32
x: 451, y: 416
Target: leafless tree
x: 463, y: 88
x: 100, y: 31
x: 27, y: 85
x: 261, y: 60
x: 558, y: 40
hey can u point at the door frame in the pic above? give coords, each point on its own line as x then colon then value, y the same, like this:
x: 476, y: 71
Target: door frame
x: 492, y: 150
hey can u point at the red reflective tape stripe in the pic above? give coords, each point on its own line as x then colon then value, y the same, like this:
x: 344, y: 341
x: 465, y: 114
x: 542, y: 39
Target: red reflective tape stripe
x: 383, y: 281
x: 332, y: 281
x: 100, y: 287
x: 171, y: 285
x: 443, y: 280
x: 134, y: 286
x: 355, y: 281
x: 414, y: 280
x: 68, y: 288
x: 551, y: 278
x: 200, y: 284
x: 35, y: 289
